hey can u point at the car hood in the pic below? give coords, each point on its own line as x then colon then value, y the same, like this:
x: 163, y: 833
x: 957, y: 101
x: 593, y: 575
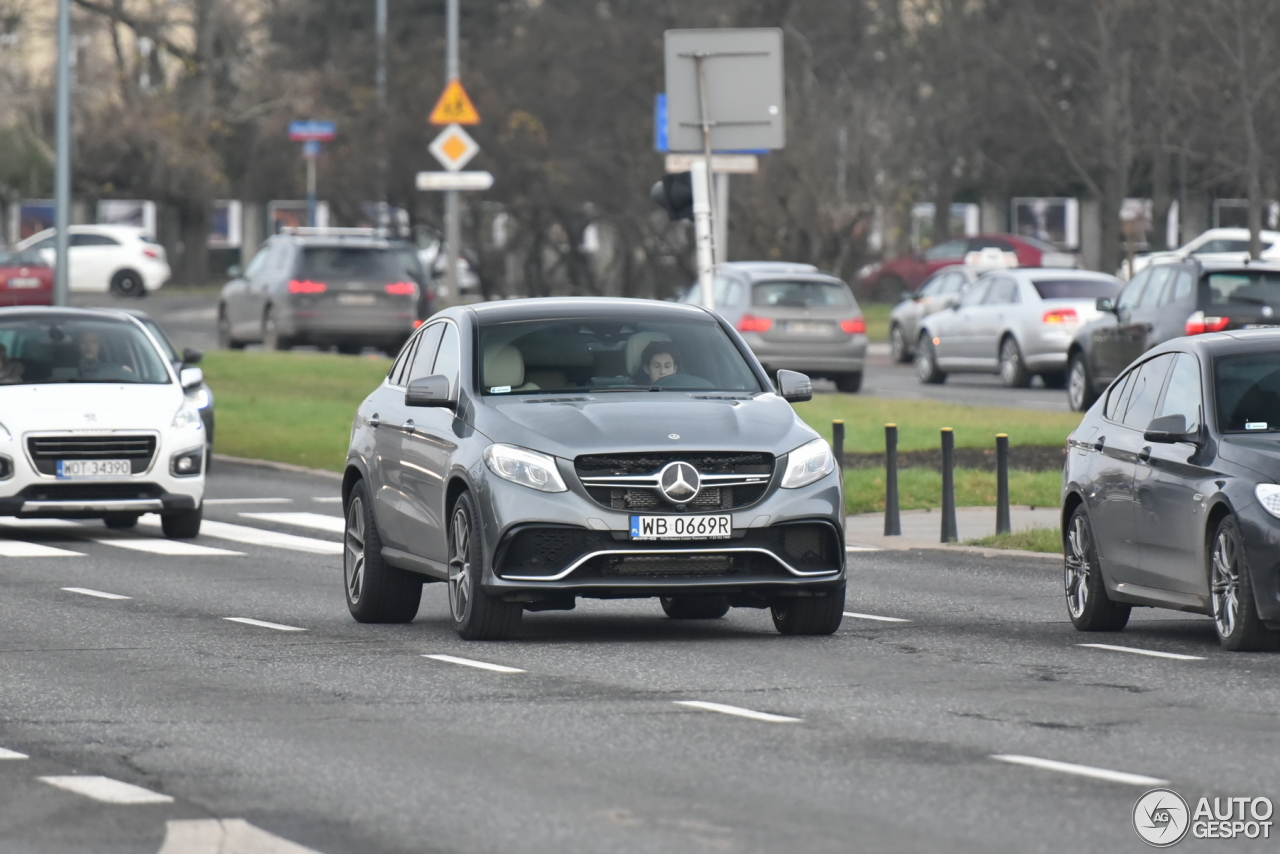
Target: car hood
x: 1261, y: 453
x: 67, y: 406
x: 569, y: 425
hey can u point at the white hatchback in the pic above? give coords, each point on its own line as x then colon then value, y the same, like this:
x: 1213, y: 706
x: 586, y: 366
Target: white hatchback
x: 117, y: 258
x: 94, y: 422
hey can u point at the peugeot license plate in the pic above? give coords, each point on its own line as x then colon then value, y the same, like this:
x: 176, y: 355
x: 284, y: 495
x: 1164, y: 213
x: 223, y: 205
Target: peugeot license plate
x: 717, y: 527
x: 16, y: 283
x: 94, y: 468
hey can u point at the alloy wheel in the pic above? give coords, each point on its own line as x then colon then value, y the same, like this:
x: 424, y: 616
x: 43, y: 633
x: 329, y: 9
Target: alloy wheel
x: 353, y: 565
x: 1225, y: 584
x: 460, y: 565
x: 1009, y: 361
x: 1076, y: 381
x: 1077, y: 567
x: 897, y: 344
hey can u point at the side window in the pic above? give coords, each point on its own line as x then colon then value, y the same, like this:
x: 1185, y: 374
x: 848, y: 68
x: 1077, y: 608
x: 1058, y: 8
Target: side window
x: 952, y: 250
x: 1155, y: 288
x: 425, y: 356
x: 1002, y: 292
x: 934, y: 286
x: 1118, y: 396
x: 1133, y: 291
x: 259, y: 262
x: 977, y: 244
x: 47, y: 243
x: 1182, y: 290
x: 1146, y: 391
x: 954, y: 284
x: 976, y: 292
x: 395, y: 376
x: 449, y: 358
x: 1184, y: 395
x: 282, y: 259
x: 733, y: 293
x: 93, y: 240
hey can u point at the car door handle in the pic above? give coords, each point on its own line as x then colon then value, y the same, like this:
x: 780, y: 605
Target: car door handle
x: 1097, y: 446
x: 373, y: 420
x: 409, y: 426
x: 1145, y: 454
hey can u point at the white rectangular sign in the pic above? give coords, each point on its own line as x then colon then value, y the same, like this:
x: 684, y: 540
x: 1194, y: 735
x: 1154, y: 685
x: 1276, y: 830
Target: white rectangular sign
x: 738, y: 164
x: 454, y: 180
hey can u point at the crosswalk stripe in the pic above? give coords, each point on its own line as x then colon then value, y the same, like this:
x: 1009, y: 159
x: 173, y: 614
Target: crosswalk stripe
x: 249, y: 621
x: 248, y: 501
x: 220, y: 836
x: 85, y: 591
x: 328, y: 499
x: 21, y: 548
x: 107, y: 790
x: 172, y: 548
x: 259, y: 537
x: 319, y: 521
x: 11, y: 754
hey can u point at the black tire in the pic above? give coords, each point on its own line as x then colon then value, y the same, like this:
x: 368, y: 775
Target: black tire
x: 476, y: 614
x: 1235, y: 609
x: 1054, y: 379
x: 120, y: 521
x: 898, y: 346
x: 127, y: 283
x: 350, y: 349
x: 1013, y: 370
x: 226, y: 340
x: 850, y: 383
x: 704, y: 606
x: 1081, y: 393
x: 183, y: 524
x: 271, y: 337
x: 927, y: 363
x: 376, y: 592
x: 1088, y: 605
x: 809, y: 615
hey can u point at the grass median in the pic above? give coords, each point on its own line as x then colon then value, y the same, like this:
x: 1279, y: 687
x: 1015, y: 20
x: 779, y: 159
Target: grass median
x: 921, y: 489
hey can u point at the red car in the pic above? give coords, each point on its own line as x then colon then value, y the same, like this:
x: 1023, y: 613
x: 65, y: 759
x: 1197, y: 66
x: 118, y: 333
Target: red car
x: 889, y: 280
x: 25, y: 279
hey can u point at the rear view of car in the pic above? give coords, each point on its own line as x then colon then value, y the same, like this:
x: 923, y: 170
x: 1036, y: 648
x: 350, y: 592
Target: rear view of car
x: 25, y: 279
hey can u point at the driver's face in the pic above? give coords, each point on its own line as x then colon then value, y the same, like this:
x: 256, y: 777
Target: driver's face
x: 90, y: 346
x: 661, y: 365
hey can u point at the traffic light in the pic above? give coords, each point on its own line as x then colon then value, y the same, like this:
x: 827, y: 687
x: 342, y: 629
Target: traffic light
x: 674, y: 194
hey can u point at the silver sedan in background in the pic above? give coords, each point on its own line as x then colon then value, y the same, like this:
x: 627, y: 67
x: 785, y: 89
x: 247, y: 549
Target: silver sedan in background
x: 1017, y: 323
x: 939, y: 291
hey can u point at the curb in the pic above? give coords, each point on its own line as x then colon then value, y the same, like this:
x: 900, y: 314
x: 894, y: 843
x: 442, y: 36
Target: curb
x: 271, y: 464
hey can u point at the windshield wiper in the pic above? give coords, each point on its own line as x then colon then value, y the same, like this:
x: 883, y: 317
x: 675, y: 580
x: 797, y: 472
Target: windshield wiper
x: 624, y: 388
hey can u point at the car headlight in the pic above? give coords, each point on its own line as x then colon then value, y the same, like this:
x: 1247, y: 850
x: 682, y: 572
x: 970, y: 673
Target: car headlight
x: 525, y: 467
x: 187, y: 416
x: 200, y: 397
x: 5, y: 435
x: 808, y: 463
x: 1268, y: 495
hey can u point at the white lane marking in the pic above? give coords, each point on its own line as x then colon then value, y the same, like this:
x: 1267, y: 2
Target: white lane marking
x: 107, y: 790
x: 248, y: 501
x: 223, y: 836
x: 173, y: 548
x: 875, y: 617
x: 1151, y: 652
x: 319, y: 521
x: 1081, y: 770
x: 260, y: 537
x: 85, y: 591
x: 735, y: 710
x: 20, y: 548
x: 251, y: 622
x: 483, y: 665
x: 861, y: 549
x: 11, y: 754
x: 15, y: 522
x: 328, y: 499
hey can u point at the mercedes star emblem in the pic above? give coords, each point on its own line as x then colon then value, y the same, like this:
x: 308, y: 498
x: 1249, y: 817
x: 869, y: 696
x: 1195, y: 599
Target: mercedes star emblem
x: 679, y: 482
x: 673, y: 435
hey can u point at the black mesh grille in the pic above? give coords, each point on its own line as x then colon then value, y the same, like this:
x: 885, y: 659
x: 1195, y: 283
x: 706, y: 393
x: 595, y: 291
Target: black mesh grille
x: 706, y: 462
x: 47, y: 450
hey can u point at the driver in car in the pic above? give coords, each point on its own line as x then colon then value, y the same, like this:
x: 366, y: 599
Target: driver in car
x: 91, y: 361
x: 660, y: 359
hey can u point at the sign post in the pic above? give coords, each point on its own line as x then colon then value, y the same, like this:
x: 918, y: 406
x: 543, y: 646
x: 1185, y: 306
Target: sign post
x: 454, y: 108
x: 311, y: 133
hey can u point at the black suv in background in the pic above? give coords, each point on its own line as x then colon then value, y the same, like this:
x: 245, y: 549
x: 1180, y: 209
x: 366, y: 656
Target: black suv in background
x: 1167, y: 301
x: 347, y: 287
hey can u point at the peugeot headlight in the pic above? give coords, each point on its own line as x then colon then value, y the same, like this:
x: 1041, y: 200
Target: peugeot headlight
x: 187, y: 416
x: 1268, y: 495
x: 5, y: 435
x: 200, y: 397
x: 525, y: 467
x: 808, y: 463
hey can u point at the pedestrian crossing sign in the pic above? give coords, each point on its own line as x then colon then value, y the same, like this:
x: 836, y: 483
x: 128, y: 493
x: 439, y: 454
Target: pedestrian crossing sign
x: 454, y: 107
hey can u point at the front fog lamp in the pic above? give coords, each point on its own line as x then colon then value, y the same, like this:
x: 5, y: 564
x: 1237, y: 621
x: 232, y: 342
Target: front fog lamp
x: 808, y: 463
x: 525, y: 467
x: 187, y: 463
x: 1268, y: 495
x: 6, y: 467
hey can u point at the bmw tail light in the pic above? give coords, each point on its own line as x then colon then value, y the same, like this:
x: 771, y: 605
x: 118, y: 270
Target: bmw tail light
x: 306, y: 286
x: 1059, y: 316
x: 401, y: 289
x: 856, y: 326
x: 751, y: 323
x: 1198, y: 324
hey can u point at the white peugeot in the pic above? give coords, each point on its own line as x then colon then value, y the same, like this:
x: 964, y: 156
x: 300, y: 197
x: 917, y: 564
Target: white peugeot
x: 94, y: 422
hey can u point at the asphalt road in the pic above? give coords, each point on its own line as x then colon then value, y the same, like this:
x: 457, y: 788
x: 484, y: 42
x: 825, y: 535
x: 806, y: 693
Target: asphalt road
x: 346, y: 738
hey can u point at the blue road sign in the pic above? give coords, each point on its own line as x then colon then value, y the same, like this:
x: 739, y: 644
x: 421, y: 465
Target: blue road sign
x: 660, y: 122
x: 311, y: 130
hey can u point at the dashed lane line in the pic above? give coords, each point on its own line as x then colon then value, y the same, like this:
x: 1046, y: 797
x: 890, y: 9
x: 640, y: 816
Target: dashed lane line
x: 260, y: 537
x: 265, y: 625
x: 171, y: 548
x: 319, y: 521
x: 327, y: 499
x: 467, y: 662
x: 1154, y: 653
x: 21, y: 548
x: 876, y: 617
x: 11, y: 754
x: 85, y: 591
x: 224, y: 836
x: 862, y: 549
x: 107, y: 790
x: 217, y: 501
x: 1080, y: 770
x: 737, y: 711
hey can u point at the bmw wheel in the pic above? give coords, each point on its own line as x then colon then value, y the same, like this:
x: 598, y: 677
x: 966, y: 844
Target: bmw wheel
x: 376, y: 591
x: 1013, y: 371
x: 1088, y: 605
x: 1235, y: 611
x: 477, y: 615
x: 927, y: 364
x: 810, y: 615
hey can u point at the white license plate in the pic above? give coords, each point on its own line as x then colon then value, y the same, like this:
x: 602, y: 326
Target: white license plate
x: 356, y: 299
x: 800, y: 327
x: 1260, y: 325
x: 94, y: 468
x: 717, y: 527
x: 24, y: 283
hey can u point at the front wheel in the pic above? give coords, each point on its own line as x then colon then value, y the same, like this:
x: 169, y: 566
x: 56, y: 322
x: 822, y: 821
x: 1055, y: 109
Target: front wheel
x: 1088, y: 605
x: 271, y: 337
x: 1080, y: 392
x: 898, y: 344
x: 182, y: 525
x: 849, y: 383
x: 708, y: 606
x: 927, y: 370
x: 477, y: 615
x: 127, y: 283
x: 376, y: 591
x: 226, y: 340
x: 120, y: 521
x: 810, y: 615
x: 1013, y: 371
x: 1235, y: 610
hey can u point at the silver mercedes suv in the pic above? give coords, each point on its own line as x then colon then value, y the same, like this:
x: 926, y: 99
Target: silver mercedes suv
x: 530, y: 452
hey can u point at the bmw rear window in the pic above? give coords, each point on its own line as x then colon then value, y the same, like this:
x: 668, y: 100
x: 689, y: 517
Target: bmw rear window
x: 784, y: 294
x: 1076, y: 289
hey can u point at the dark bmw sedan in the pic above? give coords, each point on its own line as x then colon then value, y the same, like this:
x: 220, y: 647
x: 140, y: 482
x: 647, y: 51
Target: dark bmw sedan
x: 1171, y: 490
x: 530, y: 452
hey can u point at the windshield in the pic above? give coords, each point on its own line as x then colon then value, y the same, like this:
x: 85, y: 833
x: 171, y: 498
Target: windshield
x: 165, y: 343
x: 599, y: 354
x: 1247, y: 287
x: 354, y: 262
x: 29, y: 258
x: 801, y: 295
x: 44, y: 349
x: 1248, y: 392
x: 1076, y: 288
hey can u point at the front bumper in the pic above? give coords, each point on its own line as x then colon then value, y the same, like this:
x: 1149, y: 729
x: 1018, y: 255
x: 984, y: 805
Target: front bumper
x: 1261, y: 533
x: 322, y: 323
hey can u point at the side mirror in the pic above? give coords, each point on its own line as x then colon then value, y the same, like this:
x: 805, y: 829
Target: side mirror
x: 192, y: 356
x: 1167, y: 429
x: 235, y: 271
x: 1105, y: 304
x: 190, y: 377
x: 955, y: 306
x: 909, y: 295
x: 794, y: 386
x: 428, y: 391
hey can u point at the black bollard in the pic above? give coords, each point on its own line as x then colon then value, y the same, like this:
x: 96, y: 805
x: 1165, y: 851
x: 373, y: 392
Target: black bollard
x: 949, y: 534
x: 837, y: 444
x: 1002, y: 484
x: 892, y: 521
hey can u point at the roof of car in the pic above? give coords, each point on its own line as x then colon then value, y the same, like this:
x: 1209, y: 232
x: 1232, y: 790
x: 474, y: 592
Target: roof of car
x: 1215, y: 266
x: 1219, y: 343
x: 1036, y: 274
x: 544, y: 308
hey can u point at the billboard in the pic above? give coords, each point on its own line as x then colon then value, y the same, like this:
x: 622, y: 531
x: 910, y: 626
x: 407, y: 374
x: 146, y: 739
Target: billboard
x: 136, y: 212
x: 1053, y: 220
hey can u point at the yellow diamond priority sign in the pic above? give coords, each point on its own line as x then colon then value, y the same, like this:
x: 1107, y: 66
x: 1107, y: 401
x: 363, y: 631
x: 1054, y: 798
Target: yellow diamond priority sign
x: 454, y: 107
x: 454, y: 148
